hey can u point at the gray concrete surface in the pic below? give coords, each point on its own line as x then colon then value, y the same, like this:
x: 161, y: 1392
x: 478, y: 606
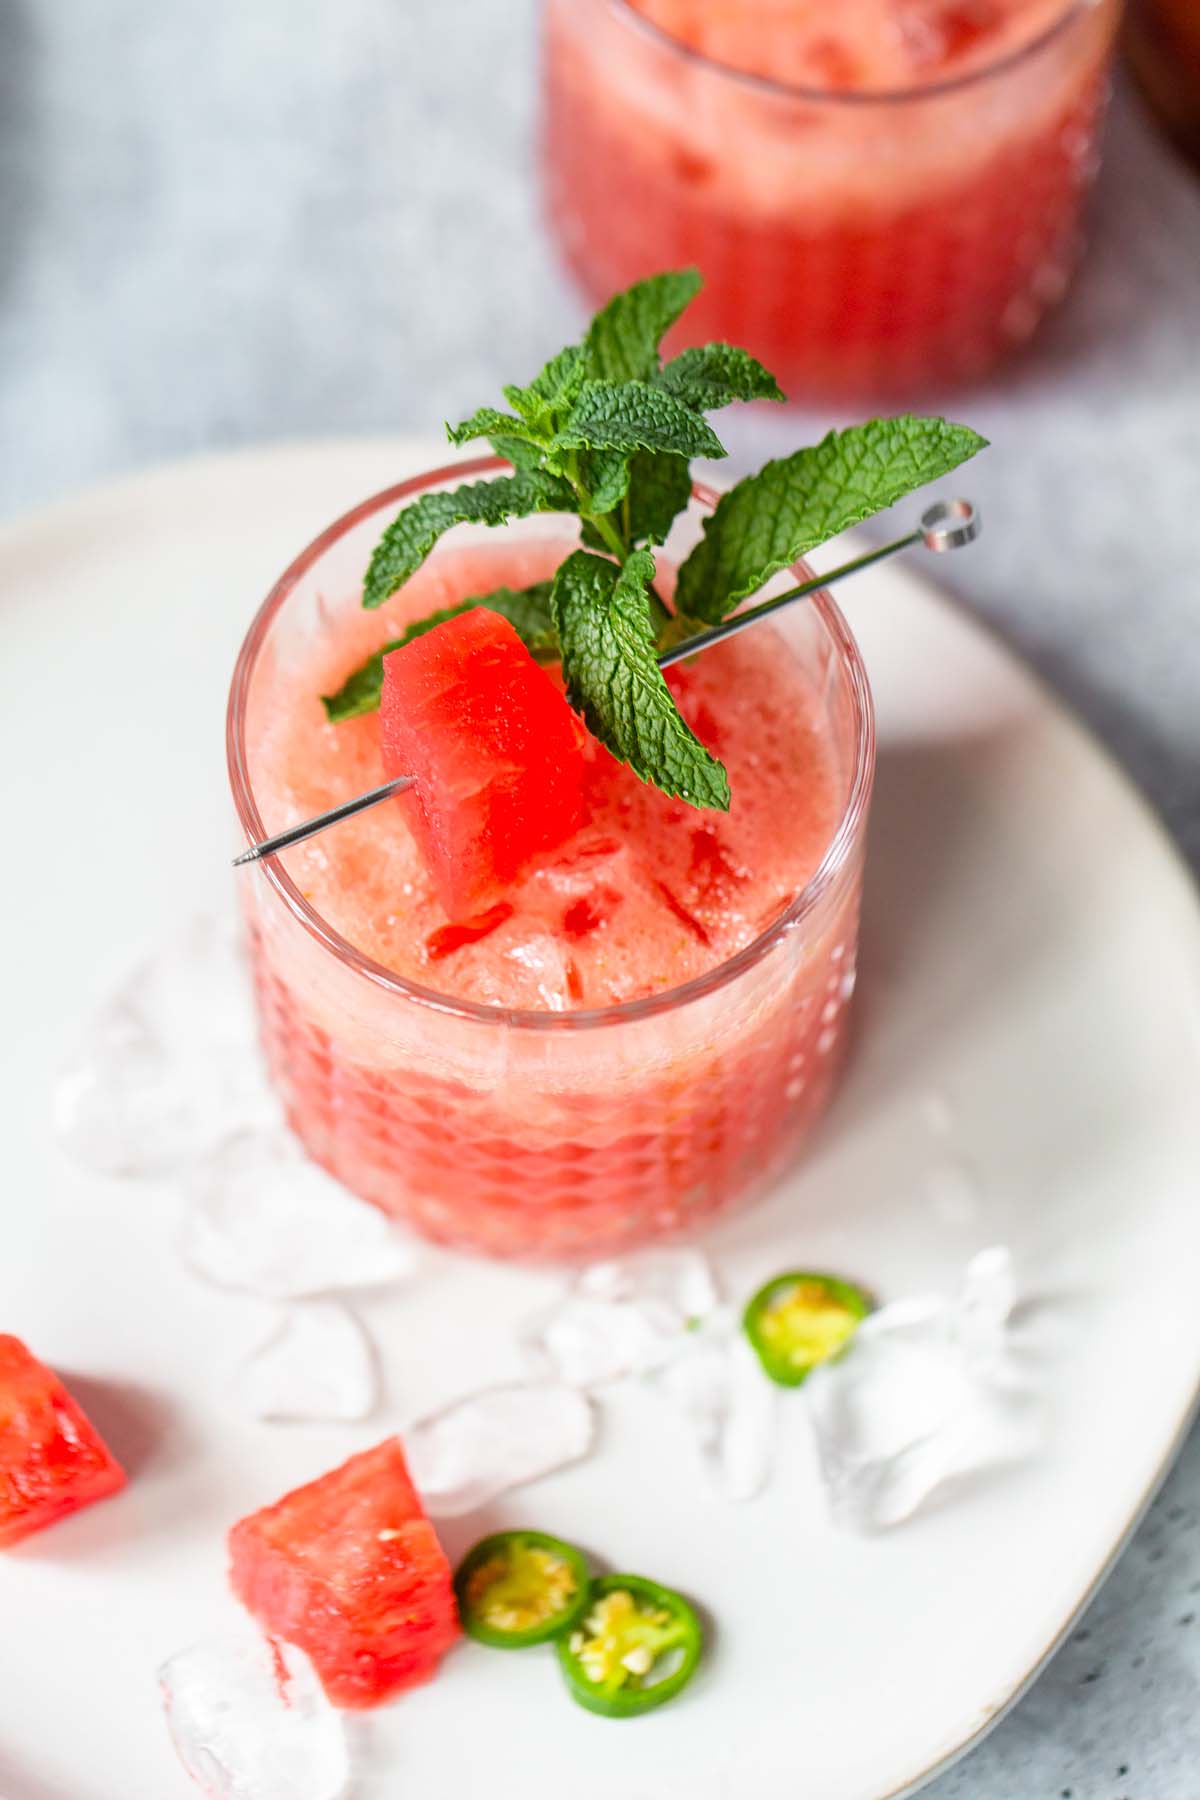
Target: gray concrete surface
x: 228, y: 222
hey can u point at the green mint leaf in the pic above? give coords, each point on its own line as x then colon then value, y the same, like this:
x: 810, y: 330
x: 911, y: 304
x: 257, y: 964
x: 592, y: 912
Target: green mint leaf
x: 660, y: 618
x: 552, y: 391
x: 526, y: 609
x: 622, y: 340
x: 604, y: 476
x: 511, y: 438
x: 632, y: 415
x: 360, y: 692
x: 413, y: 533
x: 518, y: 451
x: 714, y: 374
x: 606, y: 631
x: 769, y: 519
x: 489, y: 423
x: 660, y: 486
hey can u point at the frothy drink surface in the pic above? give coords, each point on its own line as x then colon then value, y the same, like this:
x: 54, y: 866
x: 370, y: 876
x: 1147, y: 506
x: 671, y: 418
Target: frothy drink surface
x: 860, y: 46
x: 649, y: 894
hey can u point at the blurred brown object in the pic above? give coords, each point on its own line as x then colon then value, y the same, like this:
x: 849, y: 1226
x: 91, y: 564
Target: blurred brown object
x: 1162, y: 47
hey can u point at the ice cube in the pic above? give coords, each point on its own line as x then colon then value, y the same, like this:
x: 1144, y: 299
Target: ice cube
x: 318, y: 1363
x: 169, y: 1064
x: 626, y: 1316
x: 678, y: 1280
x: 593, y: 864
x: 587, y: 1342
x: 532, y: 971
x: 479, y: 1447
x: 249, y: 1721
x: 720, y: 1389
x: 927, y: 1392
x: 545, y: 968
x: 262, y: 1217
x: 985, y: 1306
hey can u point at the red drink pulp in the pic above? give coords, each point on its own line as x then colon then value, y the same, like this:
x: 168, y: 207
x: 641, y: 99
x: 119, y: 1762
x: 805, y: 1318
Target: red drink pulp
x: 881, y: 200
x: 639, y: 1032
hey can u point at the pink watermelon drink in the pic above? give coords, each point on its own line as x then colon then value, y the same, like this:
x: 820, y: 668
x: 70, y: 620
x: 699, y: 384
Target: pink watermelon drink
x: 585, y: 981
x: 634, y: 1034
x: 883, y: 196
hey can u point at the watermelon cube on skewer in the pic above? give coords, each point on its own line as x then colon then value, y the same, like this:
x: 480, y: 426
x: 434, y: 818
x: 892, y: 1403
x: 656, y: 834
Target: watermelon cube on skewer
x: 349, y: 1569
x: 52, y: 1459
x: 496, y: 755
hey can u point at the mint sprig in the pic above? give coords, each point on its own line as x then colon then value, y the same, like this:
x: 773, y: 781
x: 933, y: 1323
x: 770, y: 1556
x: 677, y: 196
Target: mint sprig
x: 609, y: 654
x: 605, y: 433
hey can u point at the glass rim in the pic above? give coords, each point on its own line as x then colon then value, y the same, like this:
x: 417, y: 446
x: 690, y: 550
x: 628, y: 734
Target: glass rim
x: 818, y: 96
x: 820, y: 882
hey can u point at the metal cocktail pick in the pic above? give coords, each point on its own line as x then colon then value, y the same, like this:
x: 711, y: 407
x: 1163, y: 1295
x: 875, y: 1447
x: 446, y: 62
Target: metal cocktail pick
x: 947, y: 525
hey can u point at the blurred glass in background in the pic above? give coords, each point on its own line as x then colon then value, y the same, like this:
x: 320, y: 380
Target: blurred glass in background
x: 884, y: 197
x: 1162, y: 44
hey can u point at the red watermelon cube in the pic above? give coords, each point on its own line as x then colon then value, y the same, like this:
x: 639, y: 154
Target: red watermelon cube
x: 52, y: 1460
x: 495, y: 753
x: 349, y: 1569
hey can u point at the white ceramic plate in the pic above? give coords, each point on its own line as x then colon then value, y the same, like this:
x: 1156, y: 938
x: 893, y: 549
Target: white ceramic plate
x: 1031, y: 980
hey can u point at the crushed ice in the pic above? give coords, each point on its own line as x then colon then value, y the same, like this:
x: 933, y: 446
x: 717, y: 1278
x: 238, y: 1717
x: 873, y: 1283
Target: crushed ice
x: 249, y: 1721
x: 626, y: 1316
x: 317, y: 1364
x: 928, y: 1391
x: 167, y: 1079
x: 265, y: 1218
x: 168, y: 1065
x: 480, y: 1446
x: 720, y: 1390
x: 658, y: 1313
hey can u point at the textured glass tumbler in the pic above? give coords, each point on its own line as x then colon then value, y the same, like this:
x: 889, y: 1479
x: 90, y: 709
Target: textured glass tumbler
x: 861, y: 244
x: 550, y: 1134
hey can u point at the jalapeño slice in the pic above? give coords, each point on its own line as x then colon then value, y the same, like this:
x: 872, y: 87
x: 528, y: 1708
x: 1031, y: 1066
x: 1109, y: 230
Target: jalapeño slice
x: 636, y: 1647
x: 798, y: 1320
x: 520, y: 1587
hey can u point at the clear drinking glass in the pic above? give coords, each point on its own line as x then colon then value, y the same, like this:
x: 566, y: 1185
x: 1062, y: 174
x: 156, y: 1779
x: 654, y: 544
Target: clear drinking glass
x: 861, y: 244
x: 547, y: 1134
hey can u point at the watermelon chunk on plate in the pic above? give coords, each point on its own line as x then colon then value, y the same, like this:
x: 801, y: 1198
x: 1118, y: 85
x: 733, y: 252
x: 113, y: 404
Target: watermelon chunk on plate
x: 495, y: 752
x: 52, y: 1459
x: 349, y: 1569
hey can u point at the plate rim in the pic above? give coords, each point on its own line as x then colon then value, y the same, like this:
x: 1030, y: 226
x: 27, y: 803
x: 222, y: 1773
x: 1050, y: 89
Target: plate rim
x: 918, y: 1783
